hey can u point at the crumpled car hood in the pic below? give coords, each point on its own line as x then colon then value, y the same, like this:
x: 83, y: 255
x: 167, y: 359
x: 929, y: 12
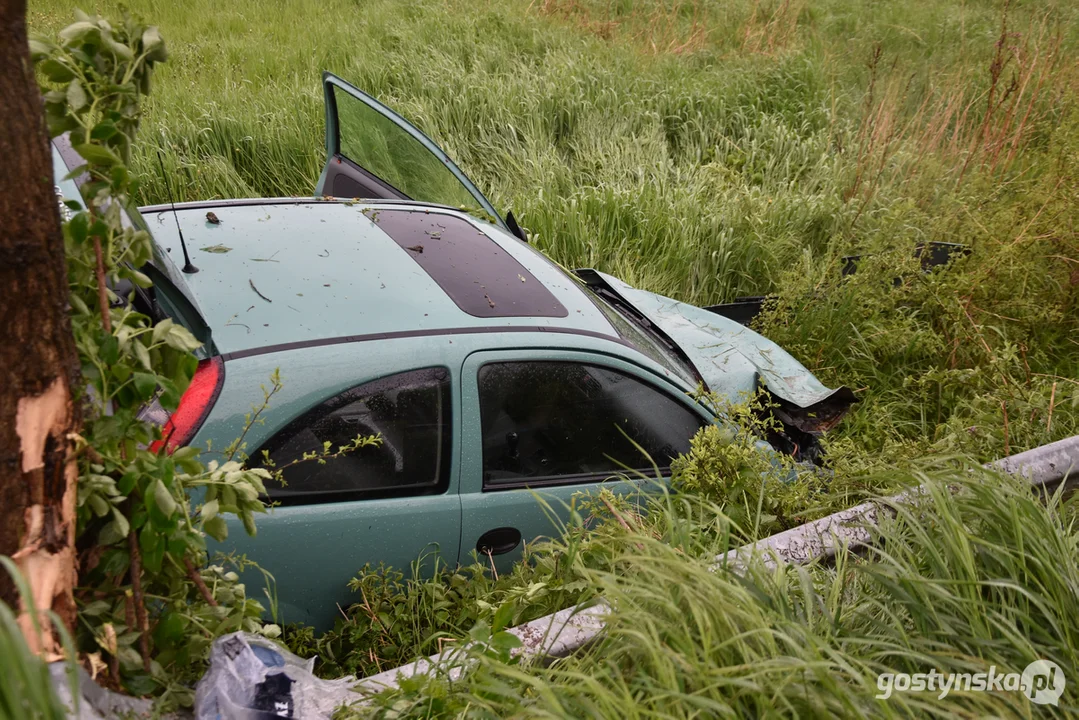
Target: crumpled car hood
x: 733, y: 359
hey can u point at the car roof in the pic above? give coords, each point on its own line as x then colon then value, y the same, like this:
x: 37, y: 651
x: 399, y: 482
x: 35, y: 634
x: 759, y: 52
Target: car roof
x: 288, y: 272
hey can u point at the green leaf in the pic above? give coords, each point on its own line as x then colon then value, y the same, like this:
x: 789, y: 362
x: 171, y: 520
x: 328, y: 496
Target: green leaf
x: 245, y: 493
x: 110, y: 350
x: 480, y: 632
x: 59, y: 123
x: 98, y: 154
x: 162, y: 329
x: 141, y: 279
x: 79, y: 306
x: 153, y: 548
x: 76, y: 98
x: 170, y: 629
x: 56, y: 71
x: 178, y: 543
x: 119, y: 177
x: 249, y: 523
x: 116, y: 48
x: 94, y: 608
x: 114, y: 561
x: 142, y: 354
x: 505, y: 641
x: 209, y: 511
x: 39, y: 48
x: 185, y: 454
x: 126, y: 483
x: 82, y: 31
x: 503, y: 615
x: 153, y: 45
x: 99, y: 505
x: 77, y: 227
x: 216, y: 249
x: 134, y: 681
x: 103, y: 130
x: 217, y: 528
x: 164, y: 500
x: 145, y: 384
x: 121, y: 521
x: 180, y: 338
x: 81, y: 169
x: 228, y: 497
x: 110, y: 534
x: 144, y: 80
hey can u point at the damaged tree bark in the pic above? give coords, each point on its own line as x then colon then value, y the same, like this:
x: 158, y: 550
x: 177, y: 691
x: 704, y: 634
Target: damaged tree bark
x: 38, y: 361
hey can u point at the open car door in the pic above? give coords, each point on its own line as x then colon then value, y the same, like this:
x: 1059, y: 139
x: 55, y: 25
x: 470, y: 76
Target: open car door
x: 374, y: 153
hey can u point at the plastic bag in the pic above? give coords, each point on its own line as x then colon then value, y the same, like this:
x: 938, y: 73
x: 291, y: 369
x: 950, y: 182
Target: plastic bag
x: 252, y: 678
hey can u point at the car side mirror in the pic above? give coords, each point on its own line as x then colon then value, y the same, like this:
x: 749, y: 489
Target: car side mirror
x: 511, y: 223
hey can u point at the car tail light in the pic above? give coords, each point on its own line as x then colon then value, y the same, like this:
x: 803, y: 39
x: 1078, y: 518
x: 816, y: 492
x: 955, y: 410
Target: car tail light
x: 180, y: 427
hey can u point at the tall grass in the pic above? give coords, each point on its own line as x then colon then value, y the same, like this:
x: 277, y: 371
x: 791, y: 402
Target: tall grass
x: 699, y: 173
x: 959, y: 584
x: 26, y: 685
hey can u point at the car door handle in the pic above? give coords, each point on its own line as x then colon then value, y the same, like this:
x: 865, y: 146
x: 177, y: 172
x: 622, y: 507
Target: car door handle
x: 498, y: 541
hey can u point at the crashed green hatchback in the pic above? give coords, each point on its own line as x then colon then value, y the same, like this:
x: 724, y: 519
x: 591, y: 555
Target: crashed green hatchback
x: 490, y: 374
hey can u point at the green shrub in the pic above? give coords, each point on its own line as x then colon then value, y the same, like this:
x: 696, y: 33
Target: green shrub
x: 760, y: 491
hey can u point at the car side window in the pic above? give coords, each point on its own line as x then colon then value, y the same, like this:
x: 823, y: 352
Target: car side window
x: 411, y: 414
x: 383, y: 148
x: 548, y: 422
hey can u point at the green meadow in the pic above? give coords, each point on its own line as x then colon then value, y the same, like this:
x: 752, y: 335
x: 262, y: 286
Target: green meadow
x: 709, y: 151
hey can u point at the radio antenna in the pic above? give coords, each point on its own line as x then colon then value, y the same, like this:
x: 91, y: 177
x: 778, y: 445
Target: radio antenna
x: 188, y: 267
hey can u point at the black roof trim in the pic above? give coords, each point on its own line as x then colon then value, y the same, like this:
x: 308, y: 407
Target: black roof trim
x: 303, y: 344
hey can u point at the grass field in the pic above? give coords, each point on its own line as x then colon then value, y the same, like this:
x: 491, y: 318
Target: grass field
x: 708, y: 150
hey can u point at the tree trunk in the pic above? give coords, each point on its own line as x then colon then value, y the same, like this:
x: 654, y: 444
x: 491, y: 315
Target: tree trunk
x: 38, y: 361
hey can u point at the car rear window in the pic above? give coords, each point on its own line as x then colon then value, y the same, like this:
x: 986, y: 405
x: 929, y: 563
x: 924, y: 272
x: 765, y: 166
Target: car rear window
x: 411, y: 414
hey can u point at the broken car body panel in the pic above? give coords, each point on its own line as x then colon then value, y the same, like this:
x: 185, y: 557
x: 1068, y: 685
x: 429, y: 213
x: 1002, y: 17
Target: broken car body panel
x: 734, y: 360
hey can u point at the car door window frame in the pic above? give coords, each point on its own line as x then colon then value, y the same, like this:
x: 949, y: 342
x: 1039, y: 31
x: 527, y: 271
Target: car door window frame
x: 333, y: 139
x: 472, y: 475
x: 448, y: 439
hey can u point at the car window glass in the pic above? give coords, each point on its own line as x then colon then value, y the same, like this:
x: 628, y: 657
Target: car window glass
x: 638, y: 339
x: 387, y: 151
x: 556, y: 421
x: 410, y: 412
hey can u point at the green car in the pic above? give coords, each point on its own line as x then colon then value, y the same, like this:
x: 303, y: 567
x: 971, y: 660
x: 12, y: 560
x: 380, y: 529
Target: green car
x: 489, y: 373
